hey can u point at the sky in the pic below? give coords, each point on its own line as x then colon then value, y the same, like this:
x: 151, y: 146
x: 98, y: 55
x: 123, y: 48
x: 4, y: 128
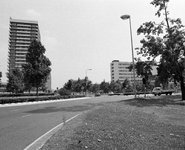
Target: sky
x: 79, y: 35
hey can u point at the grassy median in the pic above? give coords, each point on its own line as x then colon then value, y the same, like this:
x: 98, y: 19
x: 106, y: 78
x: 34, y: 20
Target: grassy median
x: 150, y: 123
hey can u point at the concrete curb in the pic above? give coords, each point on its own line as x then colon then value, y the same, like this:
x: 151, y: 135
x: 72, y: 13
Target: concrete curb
x: 38, y: 143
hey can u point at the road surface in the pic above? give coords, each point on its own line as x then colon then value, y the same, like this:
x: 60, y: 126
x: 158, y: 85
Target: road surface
x: 21, y: 125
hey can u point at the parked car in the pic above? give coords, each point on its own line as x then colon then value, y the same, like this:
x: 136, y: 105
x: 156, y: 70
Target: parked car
x: 97, y: 94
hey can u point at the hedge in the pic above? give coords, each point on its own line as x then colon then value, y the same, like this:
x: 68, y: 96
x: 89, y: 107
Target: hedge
x: 34, y: 99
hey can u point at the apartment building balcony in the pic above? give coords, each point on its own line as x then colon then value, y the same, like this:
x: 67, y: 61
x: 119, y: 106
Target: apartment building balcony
x: 20, y: 59
x: 20, y: 62
x: 23, y: 38
x: 21, y: 52
x: 21, y: 48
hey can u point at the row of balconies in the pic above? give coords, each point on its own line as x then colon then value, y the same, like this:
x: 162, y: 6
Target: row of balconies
x: 23, y: 27
x: 20, y: 58
x: 125, y: 74
x: 17, y: 54
x: 23, y: 34
x: 13, y: 24
x: 19, y: 49
x: 19, y: 38
x: 21, y: 45
x: 24, y: 30
x: 17, y: 46
x: 14, y: 42
x: 28, y: 37
x: 20, y: 61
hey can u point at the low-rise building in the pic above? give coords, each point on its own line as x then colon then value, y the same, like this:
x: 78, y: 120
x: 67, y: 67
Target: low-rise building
x: 120, y: 71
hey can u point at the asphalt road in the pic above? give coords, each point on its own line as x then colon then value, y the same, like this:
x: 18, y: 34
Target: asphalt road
x: 21, y: 125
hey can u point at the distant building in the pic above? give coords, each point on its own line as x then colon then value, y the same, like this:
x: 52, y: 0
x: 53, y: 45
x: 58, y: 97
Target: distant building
x: 22, y: 33
x: 120, y: 71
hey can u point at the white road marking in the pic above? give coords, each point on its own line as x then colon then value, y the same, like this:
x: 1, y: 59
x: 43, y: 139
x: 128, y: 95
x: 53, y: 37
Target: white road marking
x: 27, y: 115
x: 38, y: 143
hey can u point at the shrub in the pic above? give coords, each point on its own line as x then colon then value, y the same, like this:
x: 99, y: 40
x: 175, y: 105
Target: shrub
x: 33, y: 99
x: 63, y: 92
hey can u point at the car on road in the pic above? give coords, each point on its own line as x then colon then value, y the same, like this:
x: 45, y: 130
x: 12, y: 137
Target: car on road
x: 97, y: 94
x: 157, y: 91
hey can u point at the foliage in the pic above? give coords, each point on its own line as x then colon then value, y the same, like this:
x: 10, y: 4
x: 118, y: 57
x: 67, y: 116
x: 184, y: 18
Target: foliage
x: 95, y: 87
x: 125, y: 84
x: 115, y: 87
x: 37, y: 67
x: 79, y: 85
x: 164, y: 40
x: 104, y: 86
x: 15, y: 81
x: 64, y: 91
x: 68, y: 85
x: 34, y: 98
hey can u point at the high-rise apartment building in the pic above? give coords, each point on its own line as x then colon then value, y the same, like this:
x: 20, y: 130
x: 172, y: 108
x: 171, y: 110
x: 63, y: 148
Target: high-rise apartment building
x: 120, y: 71
x: 21, y: 34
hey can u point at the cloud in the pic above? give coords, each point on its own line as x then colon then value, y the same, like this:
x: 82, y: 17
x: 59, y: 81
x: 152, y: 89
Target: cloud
x: 32, y: 12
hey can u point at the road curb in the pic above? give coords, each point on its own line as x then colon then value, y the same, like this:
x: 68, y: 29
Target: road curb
x: 38, y: 143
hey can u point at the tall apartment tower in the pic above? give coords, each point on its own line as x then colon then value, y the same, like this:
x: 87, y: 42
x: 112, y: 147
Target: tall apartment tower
x: 21, y: 34
x: 119, y: 71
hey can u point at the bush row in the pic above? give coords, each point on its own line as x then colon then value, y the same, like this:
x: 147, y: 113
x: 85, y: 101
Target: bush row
x: 24, y: 94
x: 34, y: 99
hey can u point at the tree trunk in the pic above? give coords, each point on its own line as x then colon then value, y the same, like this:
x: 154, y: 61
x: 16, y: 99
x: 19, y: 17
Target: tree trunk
x: 182, y: 87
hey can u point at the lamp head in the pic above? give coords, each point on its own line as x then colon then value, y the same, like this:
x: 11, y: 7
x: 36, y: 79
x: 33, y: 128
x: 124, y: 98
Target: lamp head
x: 124, y: 17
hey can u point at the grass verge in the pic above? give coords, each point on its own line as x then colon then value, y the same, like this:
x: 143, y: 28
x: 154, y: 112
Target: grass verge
x: 124, y: 126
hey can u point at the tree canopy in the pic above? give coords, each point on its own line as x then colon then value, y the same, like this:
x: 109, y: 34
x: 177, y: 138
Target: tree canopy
x: 37, y: 67
x: 164, y: 40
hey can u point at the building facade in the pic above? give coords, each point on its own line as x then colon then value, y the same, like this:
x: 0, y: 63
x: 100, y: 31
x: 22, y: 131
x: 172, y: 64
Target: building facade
x: 21, y: 34
x: 120, y: 71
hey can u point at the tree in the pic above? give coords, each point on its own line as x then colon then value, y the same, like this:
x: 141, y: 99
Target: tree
x: 77, y: 85
x: 125, y: 84
x: 115, y: 87
x: 15, y: 81
x: 95, y: 87
x: 64, y: 91
x: 88, y: 83
x: 104, y: 86
x: 164, y: 39
x: 68, y: 85
x: 37, y: 67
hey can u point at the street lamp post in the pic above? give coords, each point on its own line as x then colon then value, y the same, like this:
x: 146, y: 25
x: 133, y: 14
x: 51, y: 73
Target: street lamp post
x: 125, y: 17
x: 86, y: 81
